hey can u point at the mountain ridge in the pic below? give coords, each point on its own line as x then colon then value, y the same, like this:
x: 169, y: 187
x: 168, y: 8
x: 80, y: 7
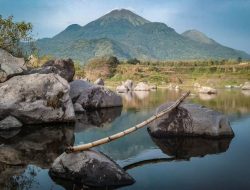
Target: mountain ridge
x: 126, y: 35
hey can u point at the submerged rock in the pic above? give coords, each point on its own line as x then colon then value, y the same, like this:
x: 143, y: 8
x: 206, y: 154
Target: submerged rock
x: 10, y: 66
x: 188, y: 147
x: 99, y: 81
x: 191, y: 120
x: 10, y: 123
x: 207, y: 90
x: 36, y: 98
x: 64, y: 68
x: 90, y: 168
x: 93, y: 96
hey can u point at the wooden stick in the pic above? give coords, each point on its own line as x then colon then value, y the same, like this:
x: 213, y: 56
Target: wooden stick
x: 127, y: 131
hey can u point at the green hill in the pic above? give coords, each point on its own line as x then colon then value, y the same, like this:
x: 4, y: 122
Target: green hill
x: 123, y: 34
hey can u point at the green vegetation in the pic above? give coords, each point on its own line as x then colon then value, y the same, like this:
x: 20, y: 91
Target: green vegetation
x: 12, y: 34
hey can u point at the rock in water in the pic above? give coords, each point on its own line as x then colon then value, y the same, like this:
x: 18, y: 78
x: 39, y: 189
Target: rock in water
x: 207, y: 90
x: 10, y: 123
x: 99, y: 82
x: 121, y: 89
x: 64, y: 68
x: 141, y: 86
x: 246, y: 86
x: 191, y: 120
x: 10, y: 65
x: 90, y: 168
x: 93, y: 96
x: 36, y: 98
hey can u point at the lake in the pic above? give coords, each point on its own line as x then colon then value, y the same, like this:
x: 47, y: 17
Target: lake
x: 178, y: 163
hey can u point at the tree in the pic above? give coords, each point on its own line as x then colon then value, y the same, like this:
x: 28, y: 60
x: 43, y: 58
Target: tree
x: 133, y: 61
x: 12, y: 34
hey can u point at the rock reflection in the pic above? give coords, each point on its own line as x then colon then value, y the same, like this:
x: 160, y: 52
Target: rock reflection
x: 31, y: 146
x: 207, y: 97
x: 97, y: 118
x: 188, y: 147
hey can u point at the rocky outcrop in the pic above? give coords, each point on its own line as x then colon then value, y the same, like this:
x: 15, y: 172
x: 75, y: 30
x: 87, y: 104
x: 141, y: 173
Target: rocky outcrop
x: 99, y: 81
x: 246, y: 86
x: 64, y: 68
x: 10, y: 123
x: 90, y: 168
x: 129, y: 84
x: 10, y: 65
x: 141, y: 86
x: 93, y: 96
x: 207, y: 90
x: 36, y: 98
x: 191, y: 120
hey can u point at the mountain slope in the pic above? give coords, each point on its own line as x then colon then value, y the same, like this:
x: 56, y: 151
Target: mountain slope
x: 126, y: 35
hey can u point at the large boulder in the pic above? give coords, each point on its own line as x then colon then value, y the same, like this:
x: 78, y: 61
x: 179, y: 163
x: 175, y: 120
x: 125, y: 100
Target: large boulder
x: 36, y: 98
x: 10, y: 123
x: 10, y: 65
x: 191, y: 120
x: 90, y: 168
x: 64, y: 68
x: 91, y: 96
x: 207, y: 90
x: 246, y: 86
x: 141, y: 86
x: 99, y: 81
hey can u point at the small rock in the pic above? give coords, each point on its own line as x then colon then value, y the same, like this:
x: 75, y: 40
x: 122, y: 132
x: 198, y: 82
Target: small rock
x: 10, y: 123
x: 141, y: 86
x: 207, y: 90
x: 197, y: 85
x: 90, y: 168
x: 246, y: 86
x: 121, y: 89
x: 99, y: 82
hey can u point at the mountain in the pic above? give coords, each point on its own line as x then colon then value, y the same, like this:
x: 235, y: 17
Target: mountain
x: 198, y: 37
x: 124, y: 34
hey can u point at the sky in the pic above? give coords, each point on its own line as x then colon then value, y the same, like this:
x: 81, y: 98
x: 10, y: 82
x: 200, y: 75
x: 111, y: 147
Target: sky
x: 226, y: 21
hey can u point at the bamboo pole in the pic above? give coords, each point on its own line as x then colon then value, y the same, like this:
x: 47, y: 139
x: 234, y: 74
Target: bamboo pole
x: 127, y: 131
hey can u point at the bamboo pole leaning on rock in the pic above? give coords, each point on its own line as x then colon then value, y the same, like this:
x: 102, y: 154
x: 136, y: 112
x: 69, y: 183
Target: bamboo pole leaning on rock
x: 127, y: 131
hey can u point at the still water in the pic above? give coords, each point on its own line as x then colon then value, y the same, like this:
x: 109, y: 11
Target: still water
x: 178, y: 163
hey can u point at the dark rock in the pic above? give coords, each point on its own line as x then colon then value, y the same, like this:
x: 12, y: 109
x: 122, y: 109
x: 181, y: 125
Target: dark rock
x: 90, y: 168
x: 36, y: 98
x: 10, y: 66
x: 64, y: 68
x: 191, y: 120
x: 93, y: 96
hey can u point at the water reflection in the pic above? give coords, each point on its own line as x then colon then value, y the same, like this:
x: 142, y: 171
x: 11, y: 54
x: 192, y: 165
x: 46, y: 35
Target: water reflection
x: 38, y: 147
x: 96, y: 118
x: 188, y: 147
